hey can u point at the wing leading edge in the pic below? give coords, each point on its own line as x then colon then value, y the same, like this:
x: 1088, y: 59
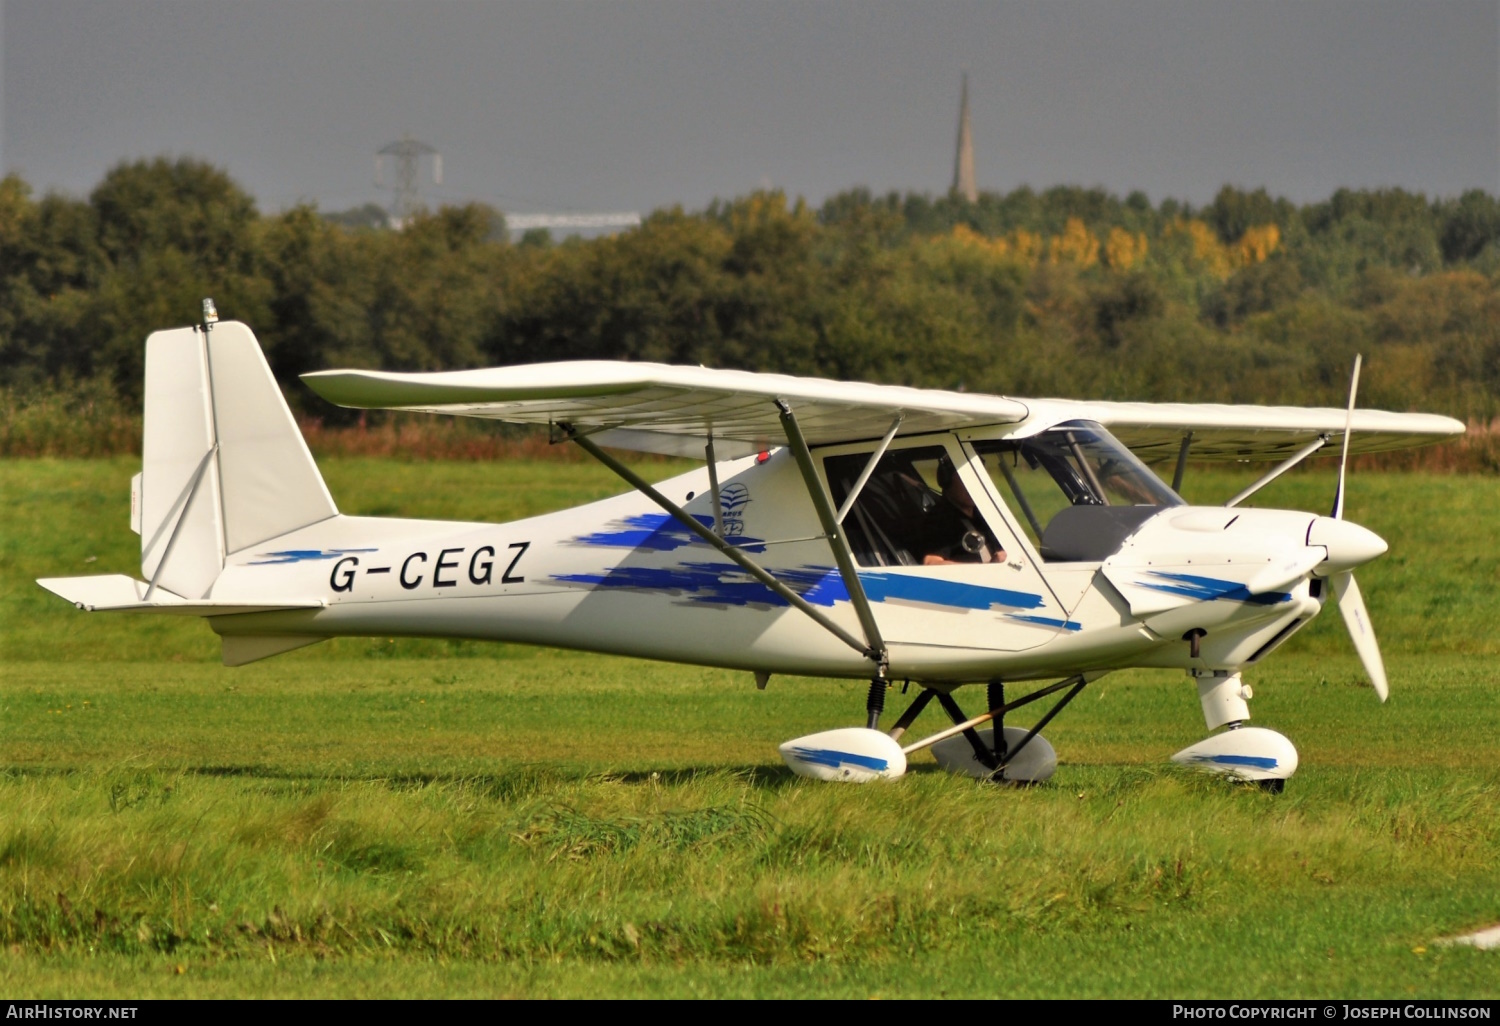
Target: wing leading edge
x: 1223, y: 432
x: 654, y: 407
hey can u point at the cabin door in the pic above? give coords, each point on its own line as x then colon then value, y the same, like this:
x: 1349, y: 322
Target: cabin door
x: 941, y: 567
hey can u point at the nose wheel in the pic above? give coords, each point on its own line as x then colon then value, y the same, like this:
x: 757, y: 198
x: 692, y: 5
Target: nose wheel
x: 1252, y: 754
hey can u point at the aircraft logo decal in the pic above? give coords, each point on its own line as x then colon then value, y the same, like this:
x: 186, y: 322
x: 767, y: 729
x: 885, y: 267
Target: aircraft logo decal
x: 732, y: 502
x: 1209, y: 588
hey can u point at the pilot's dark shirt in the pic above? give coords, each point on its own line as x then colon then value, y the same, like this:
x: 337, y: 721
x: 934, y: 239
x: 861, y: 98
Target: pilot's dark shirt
x: 942, y: 533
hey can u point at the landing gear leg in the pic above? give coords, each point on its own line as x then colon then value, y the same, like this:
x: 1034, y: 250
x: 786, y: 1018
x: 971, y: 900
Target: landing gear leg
x: 1223, y: 697
x: 875, y: 703
x: 996, y: 695
x: 912, y: 712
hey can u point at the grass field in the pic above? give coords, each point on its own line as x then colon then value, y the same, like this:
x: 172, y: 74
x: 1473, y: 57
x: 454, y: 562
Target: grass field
x: 421, y: 818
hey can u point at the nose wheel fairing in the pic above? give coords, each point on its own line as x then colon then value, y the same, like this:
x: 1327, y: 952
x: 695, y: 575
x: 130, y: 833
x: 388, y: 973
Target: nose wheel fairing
x: 1248, y: 753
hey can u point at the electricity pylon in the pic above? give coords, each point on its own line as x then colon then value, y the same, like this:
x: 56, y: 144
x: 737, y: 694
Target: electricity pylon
x: 408, y: 154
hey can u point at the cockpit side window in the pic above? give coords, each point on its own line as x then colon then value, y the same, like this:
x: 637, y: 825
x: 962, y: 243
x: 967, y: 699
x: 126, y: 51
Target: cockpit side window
x: 1054, y: 478
x: 904, y: 515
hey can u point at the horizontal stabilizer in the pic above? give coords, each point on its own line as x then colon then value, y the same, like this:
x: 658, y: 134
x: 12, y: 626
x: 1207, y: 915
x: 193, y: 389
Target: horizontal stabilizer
x: 117, y: 593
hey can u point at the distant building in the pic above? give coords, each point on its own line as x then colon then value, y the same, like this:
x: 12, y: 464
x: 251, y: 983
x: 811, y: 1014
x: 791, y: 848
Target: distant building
x: 963, y: 160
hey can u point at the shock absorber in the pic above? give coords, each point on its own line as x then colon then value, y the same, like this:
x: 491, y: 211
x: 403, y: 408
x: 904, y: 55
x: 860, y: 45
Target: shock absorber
x: 875, y: 703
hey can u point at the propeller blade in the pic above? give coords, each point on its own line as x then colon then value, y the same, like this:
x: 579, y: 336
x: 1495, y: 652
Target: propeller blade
x: 1338, y: 496
x: 1357, y: 619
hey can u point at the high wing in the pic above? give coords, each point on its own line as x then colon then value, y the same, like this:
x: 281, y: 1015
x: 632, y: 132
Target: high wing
x: 1223, y: 432
x: 655, y: 407
x: 672, y: 410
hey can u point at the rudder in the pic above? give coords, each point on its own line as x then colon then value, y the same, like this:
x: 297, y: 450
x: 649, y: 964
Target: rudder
x: 224, y: 466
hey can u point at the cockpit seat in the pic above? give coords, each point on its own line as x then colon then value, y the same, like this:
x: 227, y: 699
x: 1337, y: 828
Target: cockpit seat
x: 1090, y: 533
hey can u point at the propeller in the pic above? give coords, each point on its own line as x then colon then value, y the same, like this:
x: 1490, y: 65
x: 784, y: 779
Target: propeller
x: 1345, y: 590
x: 1357, y: 619
x: 1338, y: 496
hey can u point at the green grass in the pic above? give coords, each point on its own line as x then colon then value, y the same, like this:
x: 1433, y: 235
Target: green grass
x: 371, y: 818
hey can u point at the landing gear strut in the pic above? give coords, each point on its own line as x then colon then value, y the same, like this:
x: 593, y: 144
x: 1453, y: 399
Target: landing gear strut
x: 998, y: 752
x: 875, y: 703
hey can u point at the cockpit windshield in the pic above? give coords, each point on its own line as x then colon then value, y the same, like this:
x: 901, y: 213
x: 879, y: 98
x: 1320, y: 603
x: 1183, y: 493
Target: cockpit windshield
x: 1078, y: 491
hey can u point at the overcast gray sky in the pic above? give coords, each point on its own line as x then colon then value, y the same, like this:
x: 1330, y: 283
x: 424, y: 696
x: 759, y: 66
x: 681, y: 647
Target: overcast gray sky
x: 635, y: 104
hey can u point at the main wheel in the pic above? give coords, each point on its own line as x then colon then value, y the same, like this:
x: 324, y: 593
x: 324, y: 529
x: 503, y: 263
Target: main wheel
x: 1035, y: 763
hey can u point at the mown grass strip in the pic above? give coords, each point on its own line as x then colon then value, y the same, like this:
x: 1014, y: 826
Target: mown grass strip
x: 383, y: 819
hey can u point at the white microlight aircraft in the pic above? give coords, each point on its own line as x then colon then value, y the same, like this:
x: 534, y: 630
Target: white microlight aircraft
x: 837, y: 530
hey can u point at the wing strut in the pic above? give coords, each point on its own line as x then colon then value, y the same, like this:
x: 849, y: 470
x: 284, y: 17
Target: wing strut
x: 870, y: 464
x: 1281, y: 468
x: 823, y: 503
x: 1182, y: 455
x: 713, y: 483
x: 751, y: 567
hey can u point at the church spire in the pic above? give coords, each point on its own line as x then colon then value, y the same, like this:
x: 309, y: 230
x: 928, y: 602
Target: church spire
x: 963, y: 161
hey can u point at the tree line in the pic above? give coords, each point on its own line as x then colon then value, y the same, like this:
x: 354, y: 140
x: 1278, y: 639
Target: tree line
x: 1066, y: 291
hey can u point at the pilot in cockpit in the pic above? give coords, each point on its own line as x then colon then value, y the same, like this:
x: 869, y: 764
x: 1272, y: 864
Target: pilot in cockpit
x: 951, y: 530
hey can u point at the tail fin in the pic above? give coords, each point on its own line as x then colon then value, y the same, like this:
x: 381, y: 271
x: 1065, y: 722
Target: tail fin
x: 224, y: 466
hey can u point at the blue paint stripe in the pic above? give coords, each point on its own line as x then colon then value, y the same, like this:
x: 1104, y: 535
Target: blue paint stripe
x: 723, y: 584
x: 1046, y: 621
x: 1253, y: 761
x: 718, y: 584
x: 660, y: 532
x: 303, y: 555
x: 829, y: 757
x: 1211, y: 588
x: 883, y: 586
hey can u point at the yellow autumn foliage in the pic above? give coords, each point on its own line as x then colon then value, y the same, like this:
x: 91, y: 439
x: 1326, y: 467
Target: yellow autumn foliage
x: 764, y: 208
x: 967, y: 236
x: 1123, y: 250
x: 1019, y: 246
x: 1207, y: 249
x: 1076, y: 245
x: 1258, y: 243
x: 1027, y: 246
